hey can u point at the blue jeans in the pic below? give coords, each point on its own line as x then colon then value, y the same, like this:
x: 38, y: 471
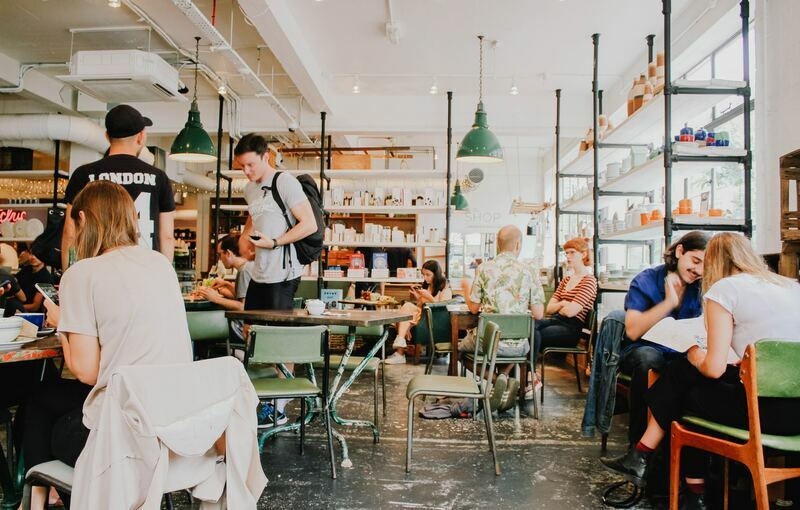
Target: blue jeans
x: 602, y: 384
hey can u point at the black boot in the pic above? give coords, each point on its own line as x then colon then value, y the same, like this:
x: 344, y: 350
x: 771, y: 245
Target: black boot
x: 692, y: 501
x: 632, y: 465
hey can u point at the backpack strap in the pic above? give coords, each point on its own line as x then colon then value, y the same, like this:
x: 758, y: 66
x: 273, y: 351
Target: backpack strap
x: 276, y: 196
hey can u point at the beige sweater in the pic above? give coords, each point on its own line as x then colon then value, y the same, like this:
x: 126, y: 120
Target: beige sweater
x: 156, y: 434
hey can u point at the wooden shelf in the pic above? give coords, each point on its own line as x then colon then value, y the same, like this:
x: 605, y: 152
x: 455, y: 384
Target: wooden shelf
x: 31, y: 174
x: 615, y: 287
x: 356, y: 174
x: 356, y: 244
x: 365, y: 279
x: 386, y: 210
x: 655, y: 229
x: 46, y: 205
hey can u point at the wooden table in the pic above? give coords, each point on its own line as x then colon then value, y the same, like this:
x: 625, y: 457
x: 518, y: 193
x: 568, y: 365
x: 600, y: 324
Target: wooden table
x: 460, y: 319
x: 350, y: 318
x: 41, y: 349
x: 366, y: 303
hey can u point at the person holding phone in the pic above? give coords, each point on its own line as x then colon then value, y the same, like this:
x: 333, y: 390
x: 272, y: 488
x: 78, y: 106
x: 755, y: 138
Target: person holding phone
x: 31, y: 274
x: 433, y: 289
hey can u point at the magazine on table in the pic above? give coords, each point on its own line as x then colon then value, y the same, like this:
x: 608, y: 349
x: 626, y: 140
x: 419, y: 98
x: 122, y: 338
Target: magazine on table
x: 681, y: 335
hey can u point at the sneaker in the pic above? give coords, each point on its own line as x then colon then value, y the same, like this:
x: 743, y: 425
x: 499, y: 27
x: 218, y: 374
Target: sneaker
x: 509, y: 396
x: 499, y: 387
x: 265, y: 416
x: 396, y: 359
x: 530, y: 391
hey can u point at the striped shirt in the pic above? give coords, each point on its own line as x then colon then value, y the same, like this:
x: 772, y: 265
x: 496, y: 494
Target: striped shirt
x: 584, y: 293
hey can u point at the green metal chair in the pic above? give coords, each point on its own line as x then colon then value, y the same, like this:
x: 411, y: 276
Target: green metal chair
x: 459, y: 387
x: 587, y: 334
x: 768, y: 369
x: 209, y: 326
x: 437, y: 322
x: 300, y: 345
x: 374, y: 366
x: 512, y: 326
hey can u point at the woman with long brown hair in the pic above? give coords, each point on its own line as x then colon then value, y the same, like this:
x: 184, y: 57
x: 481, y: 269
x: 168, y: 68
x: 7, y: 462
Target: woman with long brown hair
x: 120, y: 305
x: 743, y: 303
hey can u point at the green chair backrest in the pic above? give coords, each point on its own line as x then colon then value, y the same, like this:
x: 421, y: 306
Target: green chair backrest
x: 512, y: 326
x: 489, y: 340
x: 207, y: 325
x: 437, y: 329
x: 360, y: 330
x: 281, y: 344
x: 776, y: 363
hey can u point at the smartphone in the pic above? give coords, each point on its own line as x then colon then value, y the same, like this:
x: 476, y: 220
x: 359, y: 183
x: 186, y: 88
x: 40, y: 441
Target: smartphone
x: 48, y: 291
x: 4, y: 283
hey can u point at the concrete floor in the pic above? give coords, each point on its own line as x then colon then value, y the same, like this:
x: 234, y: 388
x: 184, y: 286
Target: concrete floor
x: 546, y: 463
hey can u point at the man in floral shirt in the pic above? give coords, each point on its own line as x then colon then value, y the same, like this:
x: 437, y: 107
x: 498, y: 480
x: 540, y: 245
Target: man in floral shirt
x: 505, y: 285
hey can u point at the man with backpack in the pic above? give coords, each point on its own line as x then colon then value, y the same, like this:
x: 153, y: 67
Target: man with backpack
x: 283, y: 226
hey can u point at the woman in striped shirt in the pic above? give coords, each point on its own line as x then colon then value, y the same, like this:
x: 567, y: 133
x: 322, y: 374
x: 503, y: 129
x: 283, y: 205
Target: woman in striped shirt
x: 571, y: 303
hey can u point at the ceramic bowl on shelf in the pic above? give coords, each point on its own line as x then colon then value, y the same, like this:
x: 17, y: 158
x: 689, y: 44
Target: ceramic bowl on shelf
x: 21, y: 228
x: 7, y: 229
x: 35, y: 228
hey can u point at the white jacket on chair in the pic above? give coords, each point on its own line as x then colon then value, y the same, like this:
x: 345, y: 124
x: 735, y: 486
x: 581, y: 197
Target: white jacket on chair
x: 156, y: 434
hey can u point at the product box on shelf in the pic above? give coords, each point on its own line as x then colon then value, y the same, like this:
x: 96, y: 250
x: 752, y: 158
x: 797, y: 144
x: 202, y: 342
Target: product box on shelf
x: 407, y: 272
x: 380, y: 273
x: 357, y: 273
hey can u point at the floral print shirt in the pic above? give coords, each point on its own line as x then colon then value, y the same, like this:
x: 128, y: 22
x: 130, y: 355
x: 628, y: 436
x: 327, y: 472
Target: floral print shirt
x: 506, y: 285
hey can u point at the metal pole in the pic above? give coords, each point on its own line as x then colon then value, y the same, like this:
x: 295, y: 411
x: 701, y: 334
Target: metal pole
x: 447, y: 185
x: 55, y: 173
x: 649, y: 40
x: 322, y: 116
x: 596, y: 156
x: 748, y: 164
x: 558, y: 187
x: 667, y: 11
x: 600, y: 102
x: 219, y: 170
x: 330, y: 160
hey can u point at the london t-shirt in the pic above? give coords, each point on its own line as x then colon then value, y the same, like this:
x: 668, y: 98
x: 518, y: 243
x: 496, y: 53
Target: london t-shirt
x: 273, y: 266
x: 147, y: 185
x: 129, y: 298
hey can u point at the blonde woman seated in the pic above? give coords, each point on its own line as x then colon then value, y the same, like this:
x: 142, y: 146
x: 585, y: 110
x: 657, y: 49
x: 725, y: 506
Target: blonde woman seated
x: 434, y: 289
x: 743, y: 303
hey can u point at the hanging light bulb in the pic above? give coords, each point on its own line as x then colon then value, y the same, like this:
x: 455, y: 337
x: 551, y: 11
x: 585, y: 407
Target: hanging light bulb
x: 480, y: 145
x: 434, y: 88
x: 193, y: 145
x: 222, y: 89
x: 514, y: 90
x: 115, y: 3
x: 356, y: 85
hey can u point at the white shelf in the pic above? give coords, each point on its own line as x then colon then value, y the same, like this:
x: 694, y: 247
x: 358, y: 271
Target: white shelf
x: 647, y: 124
x: 650, y: 175
x: 356, y: 174
x: 653, y: 230
x: 365, y: 279
x: 17, y: 239
x: 387, y: 210
x: 46, y: 205
x: 615, y: 286
x: 31, y: 174
x: 377, y: 244
x: 581, y: 204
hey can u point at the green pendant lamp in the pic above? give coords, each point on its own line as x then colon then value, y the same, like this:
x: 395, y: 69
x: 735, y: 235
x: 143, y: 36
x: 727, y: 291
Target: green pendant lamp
x: 480, y: 145
x: 457, y: 200
x: 193, y: 145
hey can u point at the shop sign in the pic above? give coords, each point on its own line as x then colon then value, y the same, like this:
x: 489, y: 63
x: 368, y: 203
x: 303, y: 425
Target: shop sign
x: 10, y: 215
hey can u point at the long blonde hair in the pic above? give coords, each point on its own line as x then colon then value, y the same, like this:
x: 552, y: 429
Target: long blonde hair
x: 109, y: 219
x: 728, y: 254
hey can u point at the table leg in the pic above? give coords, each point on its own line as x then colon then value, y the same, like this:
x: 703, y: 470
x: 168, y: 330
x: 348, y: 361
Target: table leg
x: 11, y: 497
x: 338, y: 391
x: 453, y: 345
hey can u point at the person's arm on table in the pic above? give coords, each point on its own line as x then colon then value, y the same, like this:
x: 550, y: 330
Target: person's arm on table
x: 166, y: 234
x: 217, y: 298
x: 637, y: 322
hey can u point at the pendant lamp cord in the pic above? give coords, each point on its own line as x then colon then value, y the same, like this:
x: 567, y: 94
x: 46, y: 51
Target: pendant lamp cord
x: 480, y: 79
x: 196, y: 63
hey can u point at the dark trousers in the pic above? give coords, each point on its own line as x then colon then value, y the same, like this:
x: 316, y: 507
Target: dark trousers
x: 638, y: 358
x: 556, y: 331
x: 271, y: 296
x: 682, y: 389
x: 53, y: 423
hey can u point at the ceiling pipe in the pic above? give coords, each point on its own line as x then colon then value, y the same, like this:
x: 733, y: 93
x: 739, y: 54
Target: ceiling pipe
x: 50, y: 126
x: 223, y: 47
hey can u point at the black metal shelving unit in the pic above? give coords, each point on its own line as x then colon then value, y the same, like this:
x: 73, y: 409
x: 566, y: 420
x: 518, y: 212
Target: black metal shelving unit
x: 670, y: 225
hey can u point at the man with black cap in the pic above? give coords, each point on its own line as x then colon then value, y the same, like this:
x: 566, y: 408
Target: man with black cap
x: 147, y: 185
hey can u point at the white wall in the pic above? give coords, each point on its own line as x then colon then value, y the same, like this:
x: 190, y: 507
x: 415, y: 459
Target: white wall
x: 777, y: 111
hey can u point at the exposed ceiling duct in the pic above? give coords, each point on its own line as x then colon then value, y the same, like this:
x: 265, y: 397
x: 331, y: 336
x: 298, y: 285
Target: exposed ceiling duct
x: 53, y: 127
x: 223, y: 47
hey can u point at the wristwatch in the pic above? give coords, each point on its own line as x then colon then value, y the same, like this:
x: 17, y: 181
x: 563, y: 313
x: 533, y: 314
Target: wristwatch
x: 275, y: 244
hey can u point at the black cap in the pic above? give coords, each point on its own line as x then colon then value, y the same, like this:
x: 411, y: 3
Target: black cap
x: 123, y: 121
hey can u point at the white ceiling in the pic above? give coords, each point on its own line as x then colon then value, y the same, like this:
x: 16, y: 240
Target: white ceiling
x: 541, y: 45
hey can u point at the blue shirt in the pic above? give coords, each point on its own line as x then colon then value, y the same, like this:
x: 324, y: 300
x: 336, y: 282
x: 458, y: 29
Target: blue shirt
x: 647, y: 290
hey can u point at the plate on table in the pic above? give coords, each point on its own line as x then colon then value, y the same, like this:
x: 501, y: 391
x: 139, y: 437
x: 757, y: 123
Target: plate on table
x: 16, y: 344
x: 45, y: 332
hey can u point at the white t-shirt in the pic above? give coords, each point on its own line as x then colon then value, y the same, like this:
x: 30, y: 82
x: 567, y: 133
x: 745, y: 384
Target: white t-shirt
x: 269, y: 265
x: 760, y: 309
x: 129, y: 298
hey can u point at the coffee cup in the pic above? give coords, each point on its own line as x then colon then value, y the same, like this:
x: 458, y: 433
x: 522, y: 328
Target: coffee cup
x: 34, y: 318
x: 315, y: 307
